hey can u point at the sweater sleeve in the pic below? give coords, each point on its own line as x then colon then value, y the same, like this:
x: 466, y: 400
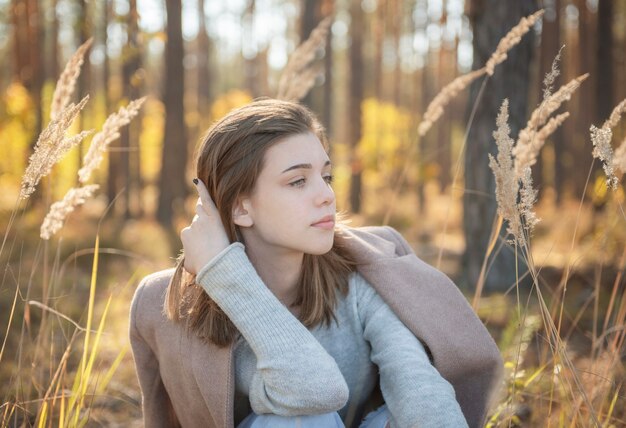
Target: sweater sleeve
x: 155, y: 402
x: 414, y: 391
x: 294, y: 374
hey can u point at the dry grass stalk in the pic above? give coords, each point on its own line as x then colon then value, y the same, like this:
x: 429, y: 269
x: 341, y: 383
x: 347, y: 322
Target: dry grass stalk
x: 51, y: 146
x: 67, y: 80
x: 299, y: 74
x: 519, y: 215
x: 528, y: 145
x: 435, y: 109
x: 597, y: 376
x: 436, y: 106
x: 601, y: 140
x: 59, y: 210
x: 512, y: 38
x: 109, y: 132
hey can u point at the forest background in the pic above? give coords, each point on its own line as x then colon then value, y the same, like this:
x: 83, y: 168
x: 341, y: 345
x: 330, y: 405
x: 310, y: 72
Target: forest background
x: 382, y: 64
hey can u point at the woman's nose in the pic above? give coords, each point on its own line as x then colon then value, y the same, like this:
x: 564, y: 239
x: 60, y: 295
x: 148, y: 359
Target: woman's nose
x: 326, y: 195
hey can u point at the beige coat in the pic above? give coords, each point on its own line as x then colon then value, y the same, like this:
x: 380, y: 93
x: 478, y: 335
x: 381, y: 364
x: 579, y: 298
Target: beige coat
x: 187, y: 382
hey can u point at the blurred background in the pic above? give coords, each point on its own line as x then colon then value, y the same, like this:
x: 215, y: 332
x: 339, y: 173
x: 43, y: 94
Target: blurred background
x: 383, y: 62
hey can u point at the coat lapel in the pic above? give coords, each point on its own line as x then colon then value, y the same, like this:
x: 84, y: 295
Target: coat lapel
x: 214, y: 372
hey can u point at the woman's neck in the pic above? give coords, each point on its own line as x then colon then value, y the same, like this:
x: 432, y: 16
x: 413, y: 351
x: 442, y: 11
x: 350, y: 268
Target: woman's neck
x: 279, y: 270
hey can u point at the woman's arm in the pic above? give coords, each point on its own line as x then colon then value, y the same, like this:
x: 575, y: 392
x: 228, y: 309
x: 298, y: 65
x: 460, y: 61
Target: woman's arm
x: 295, y: 375
x: 155, y: 402
x: 414, y: 391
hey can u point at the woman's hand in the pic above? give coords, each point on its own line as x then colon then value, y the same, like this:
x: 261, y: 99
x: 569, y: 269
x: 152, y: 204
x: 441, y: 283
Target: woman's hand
x: 205, y: 237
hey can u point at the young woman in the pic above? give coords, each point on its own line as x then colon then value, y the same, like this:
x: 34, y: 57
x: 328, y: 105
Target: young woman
x: 280, y: 316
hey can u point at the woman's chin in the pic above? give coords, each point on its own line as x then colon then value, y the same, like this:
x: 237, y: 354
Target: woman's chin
x: 321, y: 248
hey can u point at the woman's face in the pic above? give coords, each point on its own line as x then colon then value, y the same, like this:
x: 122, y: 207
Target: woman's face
x: 292, y: 193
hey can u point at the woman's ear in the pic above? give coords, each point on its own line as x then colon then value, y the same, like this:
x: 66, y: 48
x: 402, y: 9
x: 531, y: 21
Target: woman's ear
x: 241, y: 213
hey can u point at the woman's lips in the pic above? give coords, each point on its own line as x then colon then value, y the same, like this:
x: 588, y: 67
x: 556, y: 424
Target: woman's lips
x: 327, y: 222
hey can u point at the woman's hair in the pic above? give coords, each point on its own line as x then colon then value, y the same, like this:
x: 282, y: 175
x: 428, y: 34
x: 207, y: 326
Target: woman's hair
x: 229, y: 160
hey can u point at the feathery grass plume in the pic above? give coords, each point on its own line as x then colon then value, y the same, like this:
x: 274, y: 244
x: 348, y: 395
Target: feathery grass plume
x: 304, y: 82
x: 550, y: 77
x: 528, y: 197
x: 51, y: 146
x: 554, y: 101
x: 299, y: 74
x: 619, y: 159
x: 519, y: 215
x: 526, y: 154
x: 601, y: 140
x: 512, y: 38
x: 67, y: 80
x: 507, y: 185
x: 59, y: 210
x: 551, y: 126
x: 526, y: 148
x: 616, y: 115
x: 109, y: 132
x: 436, y: 106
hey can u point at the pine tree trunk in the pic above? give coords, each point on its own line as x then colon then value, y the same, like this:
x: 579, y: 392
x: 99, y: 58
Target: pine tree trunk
x: 204, y: 71
x: 327, y: 110
x: 378, y: 30
x: 604, y: 92
x: 396, y: 12
x: 354, y: 102
x: 550, y: 45
x: 53, y: 47
x: 27, y: 62
x: 492, y: 19
x: 309, y: 18
x: 251, y: 65
x: 172, y: 183
x: 133, y: 208
x: 83, y: 83
x: 585, y: 99
x: 113, y: 155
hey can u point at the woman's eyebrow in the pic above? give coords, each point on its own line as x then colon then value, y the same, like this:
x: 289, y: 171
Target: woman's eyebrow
x: 303, y: 165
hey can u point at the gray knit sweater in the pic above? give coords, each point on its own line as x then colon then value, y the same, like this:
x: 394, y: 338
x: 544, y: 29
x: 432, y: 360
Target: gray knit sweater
x: 281, y: 367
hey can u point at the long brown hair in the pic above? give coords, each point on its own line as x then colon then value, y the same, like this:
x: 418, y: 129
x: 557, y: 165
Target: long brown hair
x: 229, y: 160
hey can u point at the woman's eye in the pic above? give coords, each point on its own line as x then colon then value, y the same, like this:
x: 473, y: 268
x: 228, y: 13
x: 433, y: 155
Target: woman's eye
x: 297, y: 183
x: 329, y: 178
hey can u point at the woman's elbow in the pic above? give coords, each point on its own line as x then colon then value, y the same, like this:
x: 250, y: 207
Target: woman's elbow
x: 306, y: 396
x: 323, y: 394
x: 333, y: 396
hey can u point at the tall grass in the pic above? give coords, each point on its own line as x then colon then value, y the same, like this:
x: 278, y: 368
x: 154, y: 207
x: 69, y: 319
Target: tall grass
x: 548, y: 382
x: 56, y: 371
x: 583, y: 392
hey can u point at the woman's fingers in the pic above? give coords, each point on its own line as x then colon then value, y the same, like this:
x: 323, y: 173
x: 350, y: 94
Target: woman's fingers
x: 205, y: 199
x: 205, y: 237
